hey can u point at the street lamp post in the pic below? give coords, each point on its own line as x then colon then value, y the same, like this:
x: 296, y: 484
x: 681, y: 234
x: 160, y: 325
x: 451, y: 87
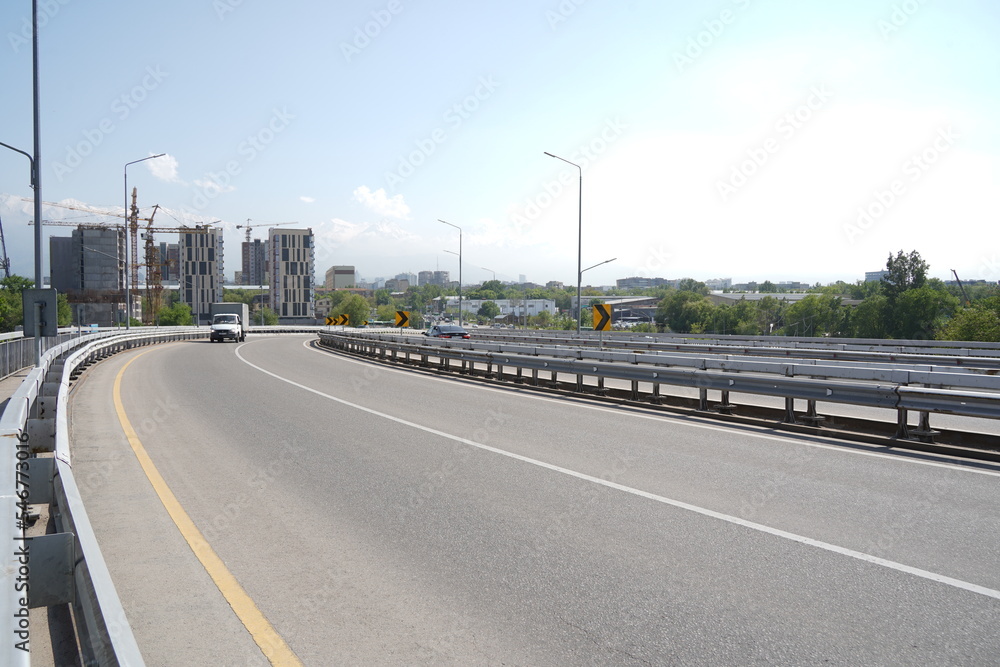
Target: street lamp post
x: 579, y: 243
x: 128, y: 291
x: 581, y: 279
x: 452, y: 252
x: 459, y: 268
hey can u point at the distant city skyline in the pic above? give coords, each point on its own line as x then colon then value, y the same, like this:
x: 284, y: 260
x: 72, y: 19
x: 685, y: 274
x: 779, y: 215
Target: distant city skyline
x: 781, y: 141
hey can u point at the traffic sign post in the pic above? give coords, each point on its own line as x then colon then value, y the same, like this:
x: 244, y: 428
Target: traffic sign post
x: 41, y: 312
x: 338, y: 320
x: 602, y: 321
x: 602, y: 317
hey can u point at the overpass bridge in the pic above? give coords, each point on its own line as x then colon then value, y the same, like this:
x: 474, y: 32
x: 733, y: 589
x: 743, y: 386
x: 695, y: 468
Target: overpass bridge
x: 280, y: 501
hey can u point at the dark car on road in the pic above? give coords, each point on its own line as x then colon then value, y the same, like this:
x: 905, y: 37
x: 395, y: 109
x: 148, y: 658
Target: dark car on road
x: 447, y: 331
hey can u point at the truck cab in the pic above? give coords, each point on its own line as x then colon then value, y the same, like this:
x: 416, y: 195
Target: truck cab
x: 227, y: 326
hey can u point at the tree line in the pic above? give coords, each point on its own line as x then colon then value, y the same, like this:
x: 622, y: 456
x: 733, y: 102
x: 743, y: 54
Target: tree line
x: 906, y: 304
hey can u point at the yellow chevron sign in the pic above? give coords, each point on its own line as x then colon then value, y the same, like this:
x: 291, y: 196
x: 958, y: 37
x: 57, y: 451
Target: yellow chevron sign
x: 338, y: 320
x: 402, y: 318
x: 602, y: 317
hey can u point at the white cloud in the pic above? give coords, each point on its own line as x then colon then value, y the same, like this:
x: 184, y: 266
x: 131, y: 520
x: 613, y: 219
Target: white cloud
x: 380, y: 203
x: 308, y: 200
x: 164, y: 168
x: 208, y: 185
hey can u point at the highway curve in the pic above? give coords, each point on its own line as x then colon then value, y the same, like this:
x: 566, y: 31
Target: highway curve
x: 379, y: 516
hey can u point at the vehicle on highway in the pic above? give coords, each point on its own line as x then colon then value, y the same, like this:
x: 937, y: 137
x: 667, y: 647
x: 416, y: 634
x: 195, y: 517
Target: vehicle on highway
x: 229, y: 321
x: 447, y: 331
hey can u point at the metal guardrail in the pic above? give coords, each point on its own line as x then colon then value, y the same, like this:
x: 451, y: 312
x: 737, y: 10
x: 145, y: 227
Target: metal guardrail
x: 963, y: 377
x: 982, y: 355
x: 857, y: 386
x: 65, y: 567
x: 17, y: 352
x: 889, y: 345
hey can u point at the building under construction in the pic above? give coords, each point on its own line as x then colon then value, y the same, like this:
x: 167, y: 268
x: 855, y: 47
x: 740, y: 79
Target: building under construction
x: 89, y: 267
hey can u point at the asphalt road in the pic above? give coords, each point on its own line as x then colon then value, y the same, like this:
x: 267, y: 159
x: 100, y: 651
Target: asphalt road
x: 377, y: 516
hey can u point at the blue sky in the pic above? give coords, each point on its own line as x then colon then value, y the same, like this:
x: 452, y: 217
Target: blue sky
x: 742, y: 138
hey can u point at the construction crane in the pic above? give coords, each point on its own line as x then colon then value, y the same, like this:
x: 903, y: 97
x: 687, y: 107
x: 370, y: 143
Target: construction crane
x: 246, y: 265
x: 270, y: 224
x: 132, y: 221
x: 4, y: 260
x: 154, y: 271
x: 961, y: 287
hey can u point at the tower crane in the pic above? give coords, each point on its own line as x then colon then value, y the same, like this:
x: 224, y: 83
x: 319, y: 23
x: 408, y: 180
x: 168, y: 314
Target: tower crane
x: 154, y: 272
x: 4, y: 260
x: 269, y: 224
x: 961, y: 287
x: 246, y: 251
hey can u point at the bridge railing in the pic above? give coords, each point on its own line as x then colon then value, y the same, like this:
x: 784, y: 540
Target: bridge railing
x: 953, y: 391
x: 65, y: 567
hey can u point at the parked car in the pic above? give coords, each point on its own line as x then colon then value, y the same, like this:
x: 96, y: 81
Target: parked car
x: 447, y: 331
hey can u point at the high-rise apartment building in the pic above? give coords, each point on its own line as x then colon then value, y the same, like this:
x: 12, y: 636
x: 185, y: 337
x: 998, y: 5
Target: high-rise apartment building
x: 338, y: 277
x: 292, y: 261
x: 255, y: 264
x: 200, y: 281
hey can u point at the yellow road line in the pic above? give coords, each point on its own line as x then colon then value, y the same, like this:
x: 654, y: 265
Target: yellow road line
x: 263, y: 633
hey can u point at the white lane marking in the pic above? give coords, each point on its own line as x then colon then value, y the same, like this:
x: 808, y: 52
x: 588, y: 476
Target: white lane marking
x: 843, y: 551
x: 691, y: 422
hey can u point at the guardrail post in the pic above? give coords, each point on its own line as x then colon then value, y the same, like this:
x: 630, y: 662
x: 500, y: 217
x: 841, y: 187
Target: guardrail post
x: 703, y: 399
x: 654, y: 397
x: 635, y: 390
x: 811, y: 417
x: 724, y: 406
x: 789, y: 410
x: 924, y: 432
x: 902, y: 428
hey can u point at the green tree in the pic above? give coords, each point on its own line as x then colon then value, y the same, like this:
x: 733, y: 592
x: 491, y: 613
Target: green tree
x: 814, y: 315
x: 386, y: 313
x: 489, y: 310
x: 871, y: 318
x: 973, y: 324
x: 674, y: 313
x: 356, y: 307
x: 65, y: 311
x: 542, y: 320
x: 496, y: 287
x: 906, y: 272
x: 11, y: 315
x: 264, y: 317
x: 919, y: 312
x: 176, y: 315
